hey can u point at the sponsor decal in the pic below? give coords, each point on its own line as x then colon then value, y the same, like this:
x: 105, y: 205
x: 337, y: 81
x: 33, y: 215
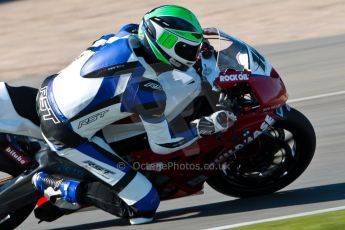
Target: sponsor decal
x: 44, y: 106
x: 280, y: 112
x: 227, y: 154
x: 264, y: 125
x: 279, y: 109
x: 234, y: 77
x: 92, y: 166
x: 14, y: 154
x: 272, y: 107
x: 110, y: 70
x: 92, y: 118
x: 246, y: 133
x: 288, y: 107
x: 153, y: 86
x: 116, y: 67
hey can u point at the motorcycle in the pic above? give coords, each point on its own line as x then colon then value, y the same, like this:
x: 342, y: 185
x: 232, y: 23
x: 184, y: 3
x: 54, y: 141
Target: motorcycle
x: 269, y: 146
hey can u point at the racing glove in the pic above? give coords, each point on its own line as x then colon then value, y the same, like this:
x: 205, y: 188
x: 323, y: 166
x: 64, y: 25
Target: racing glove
x: 219, y: 121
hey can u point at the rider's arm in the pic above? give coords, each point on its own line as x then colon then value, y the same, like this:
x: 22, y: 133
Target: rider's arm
x: 220, y: 120
x: 162, y: 140
x: 148, y: 100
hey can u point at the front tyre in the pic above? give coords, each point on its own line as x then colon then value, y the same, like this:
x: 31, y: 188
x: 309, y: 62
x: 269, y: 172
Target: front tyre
x: 271, y: 162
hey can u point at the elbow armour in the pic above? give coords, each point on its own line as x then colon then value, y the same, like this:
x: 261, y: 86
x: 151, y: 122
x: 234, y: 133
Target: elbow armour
x: 150, y: 100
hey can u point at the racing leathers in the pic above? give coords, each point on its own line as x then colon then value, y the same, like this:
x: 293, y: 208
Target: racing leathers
x: 111, y: 80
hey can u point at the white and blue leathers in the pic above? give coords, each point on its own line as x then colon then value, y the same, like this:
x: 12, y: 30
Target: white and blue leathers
x: 106, y: 83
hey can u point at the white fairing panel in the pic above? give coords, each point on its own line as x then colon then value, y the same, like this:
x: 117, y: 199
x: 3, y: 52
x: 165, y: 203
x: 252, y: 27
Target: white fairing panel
x: 11, y: 122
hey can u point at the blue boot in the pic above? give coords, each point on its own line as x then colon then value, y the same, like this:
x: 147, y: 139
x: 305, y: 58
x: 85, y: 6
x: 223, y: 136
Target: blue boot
x: 56, y: 187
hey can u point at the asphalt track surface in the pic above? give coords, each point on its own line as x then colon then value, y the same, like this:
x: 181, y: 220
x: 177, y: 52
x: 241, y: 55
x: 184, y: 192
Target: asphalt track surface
x: 308, y: 68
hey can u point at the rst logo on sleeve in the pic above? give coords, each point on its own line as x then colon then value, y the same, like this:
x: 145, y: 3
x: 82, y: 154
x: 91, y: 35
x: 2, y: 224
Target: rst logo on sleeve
x: 44, y: 107
x: 153, y: 85
x: 92, y: 118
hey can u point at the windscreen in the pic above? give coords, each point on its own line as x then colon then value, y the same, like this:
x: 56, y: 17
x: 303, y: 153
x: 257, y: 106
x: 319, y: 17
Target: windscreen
x: 232, y: 54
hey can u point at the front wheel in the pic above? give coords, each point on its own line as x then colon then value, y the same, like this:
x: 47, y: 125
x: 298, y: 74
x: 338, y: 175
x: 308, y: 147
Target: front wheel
x: 271, y: 162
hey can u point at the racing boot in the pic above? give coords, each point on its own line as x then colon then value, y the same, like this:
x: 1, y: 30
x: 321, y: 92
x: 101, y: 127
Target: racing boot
x: 59, y: 191
x: 105, y: 198
x: 140, y: 220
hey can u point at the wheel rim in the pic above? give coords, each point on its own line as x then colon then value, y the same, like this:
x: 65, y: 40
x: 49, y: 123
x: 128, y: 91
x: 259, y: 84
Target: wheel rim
x: 273, y: 161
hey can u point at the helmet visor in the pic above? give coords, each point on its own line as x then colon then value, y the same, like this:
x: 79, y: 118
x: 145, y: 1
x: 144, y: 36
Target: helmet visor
x: 186, y: 51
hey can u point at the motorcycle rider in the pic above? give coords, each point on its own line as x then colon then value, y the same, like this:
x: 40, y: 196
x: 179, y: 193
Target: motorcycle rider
x: 114, y: 78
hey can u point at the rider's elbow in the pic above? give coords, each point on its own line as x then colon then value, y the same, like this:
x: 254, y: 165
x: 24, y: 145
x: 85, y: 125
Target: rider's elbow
x: 158, y: 149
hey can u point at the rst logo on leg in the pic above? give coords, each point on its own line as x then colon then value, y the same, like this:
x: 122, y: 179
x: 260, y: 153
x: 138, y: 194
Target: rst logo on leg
x: 98, y: 169
x: 92, y: 118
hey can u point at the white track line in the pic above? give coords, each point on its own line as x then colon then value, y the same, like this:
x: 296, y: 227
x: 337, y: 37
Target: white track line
x: 277, y: 218
x: 317, y: 96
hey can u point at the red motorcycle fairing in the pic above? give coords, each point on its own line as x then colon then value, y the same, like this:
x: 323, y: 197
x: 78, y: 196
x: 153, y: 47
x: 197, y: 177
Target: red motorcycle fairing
x: 187, y: 169
x: 270, y: 90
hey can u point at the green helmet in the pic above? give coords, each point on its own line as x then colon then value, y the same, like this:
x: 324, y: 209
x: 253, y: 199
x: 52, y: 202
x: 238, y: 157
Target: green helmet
x: 173, y: 34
